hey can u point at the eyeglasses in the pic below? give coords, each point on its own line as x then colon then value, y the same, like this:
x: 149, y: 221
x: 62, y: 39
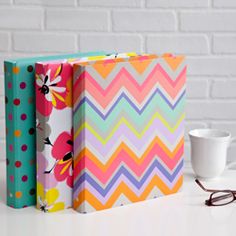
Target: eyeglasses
x: 218, y: 197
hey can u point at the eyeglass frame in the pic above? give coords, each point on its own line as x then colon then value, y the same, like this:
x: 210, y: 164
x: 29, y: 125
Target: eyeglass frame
x: 211, y: 200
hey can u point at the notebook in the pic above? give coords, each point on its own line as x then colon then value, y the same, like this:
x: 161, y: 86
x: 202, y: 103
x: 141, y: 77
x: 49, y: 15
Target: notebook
x: 128, y: 119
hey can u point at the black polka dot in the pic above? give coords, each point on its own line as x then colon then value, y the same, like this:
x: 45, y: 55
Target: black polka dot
x: 31, y: 131
x: 6, y: 99
x: 30, y: 68
x: 8, y: 161
x: 32, y: 191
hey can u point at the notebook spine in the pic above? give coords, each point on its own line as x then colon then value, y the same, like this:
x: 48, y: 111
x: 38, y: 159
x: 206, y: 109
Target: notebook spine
x: 42, y: 148
x: 79, y: 165
x: 10, y: 113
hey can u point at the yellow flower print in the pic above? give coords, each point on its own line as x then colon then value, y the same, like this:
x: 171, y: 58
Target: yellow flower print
x: 47, y: 199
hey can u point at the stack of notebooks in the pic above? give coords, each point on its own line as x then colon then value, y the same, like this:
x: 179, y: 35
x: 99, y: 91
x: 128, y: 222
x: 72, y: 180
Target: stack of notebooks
x: 93, y: 131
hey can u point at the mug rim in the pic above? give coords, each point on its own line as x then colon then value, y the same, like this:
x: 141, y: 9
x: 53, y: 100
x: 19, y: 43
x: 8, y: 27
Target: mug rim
x: 225, y: 134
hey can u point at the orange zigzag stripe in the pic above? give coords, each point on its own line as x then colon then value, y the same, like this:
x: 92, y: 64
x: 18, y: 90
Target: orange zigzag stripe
x: 124, y: 79
x: 85, y: 195
x: 172, y: 155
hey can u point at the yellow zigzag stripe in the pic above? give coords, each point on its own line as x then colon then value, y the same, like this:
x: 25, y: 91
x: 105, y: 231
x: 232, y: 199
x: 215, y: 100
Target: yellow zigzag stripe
x: 134, y: 131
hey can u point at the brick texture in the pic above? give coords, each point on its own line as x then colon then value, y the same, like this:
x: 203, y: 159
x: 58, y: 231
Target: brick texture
x: 47, y: 42
x: 179, y: 44
x: 47, y: 2
x: 224, y: 44
x: 111, y: 3
x: 203, y: 30
x: 20, y: 18
x: 109, y: 42
x: 4, y: 41
x: 84, y: 20
x: 143, y: 21
x: 208, y: 21
x: 224, y: 3
x: 178, y: 3
x: 197, y: 88
x: 223, y: 89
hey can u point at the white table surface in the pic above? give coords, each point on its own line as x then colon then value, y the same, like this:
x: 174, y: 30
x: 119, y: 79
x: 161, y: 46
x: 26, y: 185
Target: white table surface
x: 175, y: 215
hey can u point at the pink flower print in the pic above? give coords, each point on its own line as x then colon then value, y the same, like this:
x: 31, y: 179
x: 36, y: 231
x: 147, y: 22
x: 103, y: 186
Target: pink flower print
x: 50, y: 90
x: 62, y: 152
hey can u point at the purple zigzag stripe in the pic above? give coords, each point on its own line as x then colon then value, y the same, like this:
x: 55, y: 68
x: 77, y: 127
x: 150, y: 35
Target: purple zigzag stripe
x: 103, y: 200
x: 137, y: 186
x: 156, y: 128
x: 123, y: 95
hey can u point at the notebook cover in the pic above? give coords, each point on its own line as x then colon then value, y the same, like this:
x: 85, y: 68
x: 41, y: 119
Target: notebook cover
x: 54, y: 129
x: 128, y: 118
x: 20, y: 128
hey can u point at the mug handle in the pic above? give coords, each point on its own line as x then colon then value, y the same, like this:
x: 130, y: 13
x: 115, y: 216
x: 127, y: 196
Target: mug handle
x: 233, y: 163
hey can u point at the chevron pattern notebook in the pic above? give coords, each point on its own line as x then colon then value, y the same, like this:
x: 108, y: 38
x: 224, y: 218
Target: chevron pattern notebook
x: 128, y: 118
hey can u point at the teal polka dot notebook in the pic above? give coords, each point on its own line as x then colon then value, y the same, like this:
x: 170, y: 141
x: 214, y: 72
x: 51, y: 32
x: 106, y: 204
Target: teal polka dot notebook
x: 20, y: 127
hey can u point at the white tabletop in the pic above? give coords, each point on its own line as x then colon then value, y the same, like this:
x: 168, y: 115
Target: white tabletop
x: 179, y: 214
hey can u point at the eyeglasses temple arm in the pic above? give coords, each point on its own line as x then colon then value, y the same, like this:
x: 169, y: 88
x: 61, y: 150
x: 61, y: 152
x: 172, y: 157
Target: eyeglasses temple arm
x: 203, y: 188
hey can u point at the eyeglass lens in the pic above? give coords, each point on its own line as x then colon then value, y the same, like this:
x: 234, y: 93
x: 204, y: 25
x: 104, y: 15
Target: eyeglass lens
x: 221, y: 198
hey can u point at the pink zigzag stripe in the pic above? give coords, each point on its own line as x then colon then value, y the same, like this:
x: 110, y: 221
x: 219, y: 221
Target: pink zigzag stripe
x: 125, y: 79
x: 123, y: 157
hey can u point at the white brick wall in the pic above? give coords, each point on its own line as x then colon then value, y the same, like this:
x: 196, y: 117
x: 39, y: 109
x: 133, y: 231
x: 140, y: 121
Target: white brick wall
x: 204, y: 30
x: 44, y: 42
x: 224, y: 44
x: 178, y: 43
x: 108, y: 42
x: 80, y: 20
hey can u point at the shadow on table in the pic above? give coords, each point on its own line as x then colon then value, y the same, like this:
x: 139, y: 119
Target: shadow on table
x: 3, y: 188
x: 2, y: 191
x: 189, y: 176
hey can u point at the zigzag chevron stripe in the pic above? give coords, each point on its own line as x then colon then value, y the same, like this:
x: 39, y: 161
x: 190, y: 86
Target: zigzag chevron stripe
x: 124, y: 79
x: 120, y: 201
x: 156, y: 100
x: 123, y: 160
x: 138, y: 131
x: 131, y: 104
x: 124, y: 189
x: 125, y: 155
x: 104, y: 156
x: 139, y: 77
x: 156, y: 91
x: 136, y: 139
x: 128, y: 119
x: 123, y: 172
x: 102, y: 177
x: 116, y: 81
x: 123, y: 122
x: 124, y: 176
x: 109, y: 175
x: 107, y: 120
x: 102, y: 191
x: 103, y: 127
x: 157, y: 85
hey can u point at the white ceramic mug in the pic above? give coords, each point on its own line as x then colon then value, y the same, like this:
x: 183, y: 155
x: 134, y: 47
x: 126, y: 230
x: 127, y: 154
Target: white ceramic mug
x: 209, y: 151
